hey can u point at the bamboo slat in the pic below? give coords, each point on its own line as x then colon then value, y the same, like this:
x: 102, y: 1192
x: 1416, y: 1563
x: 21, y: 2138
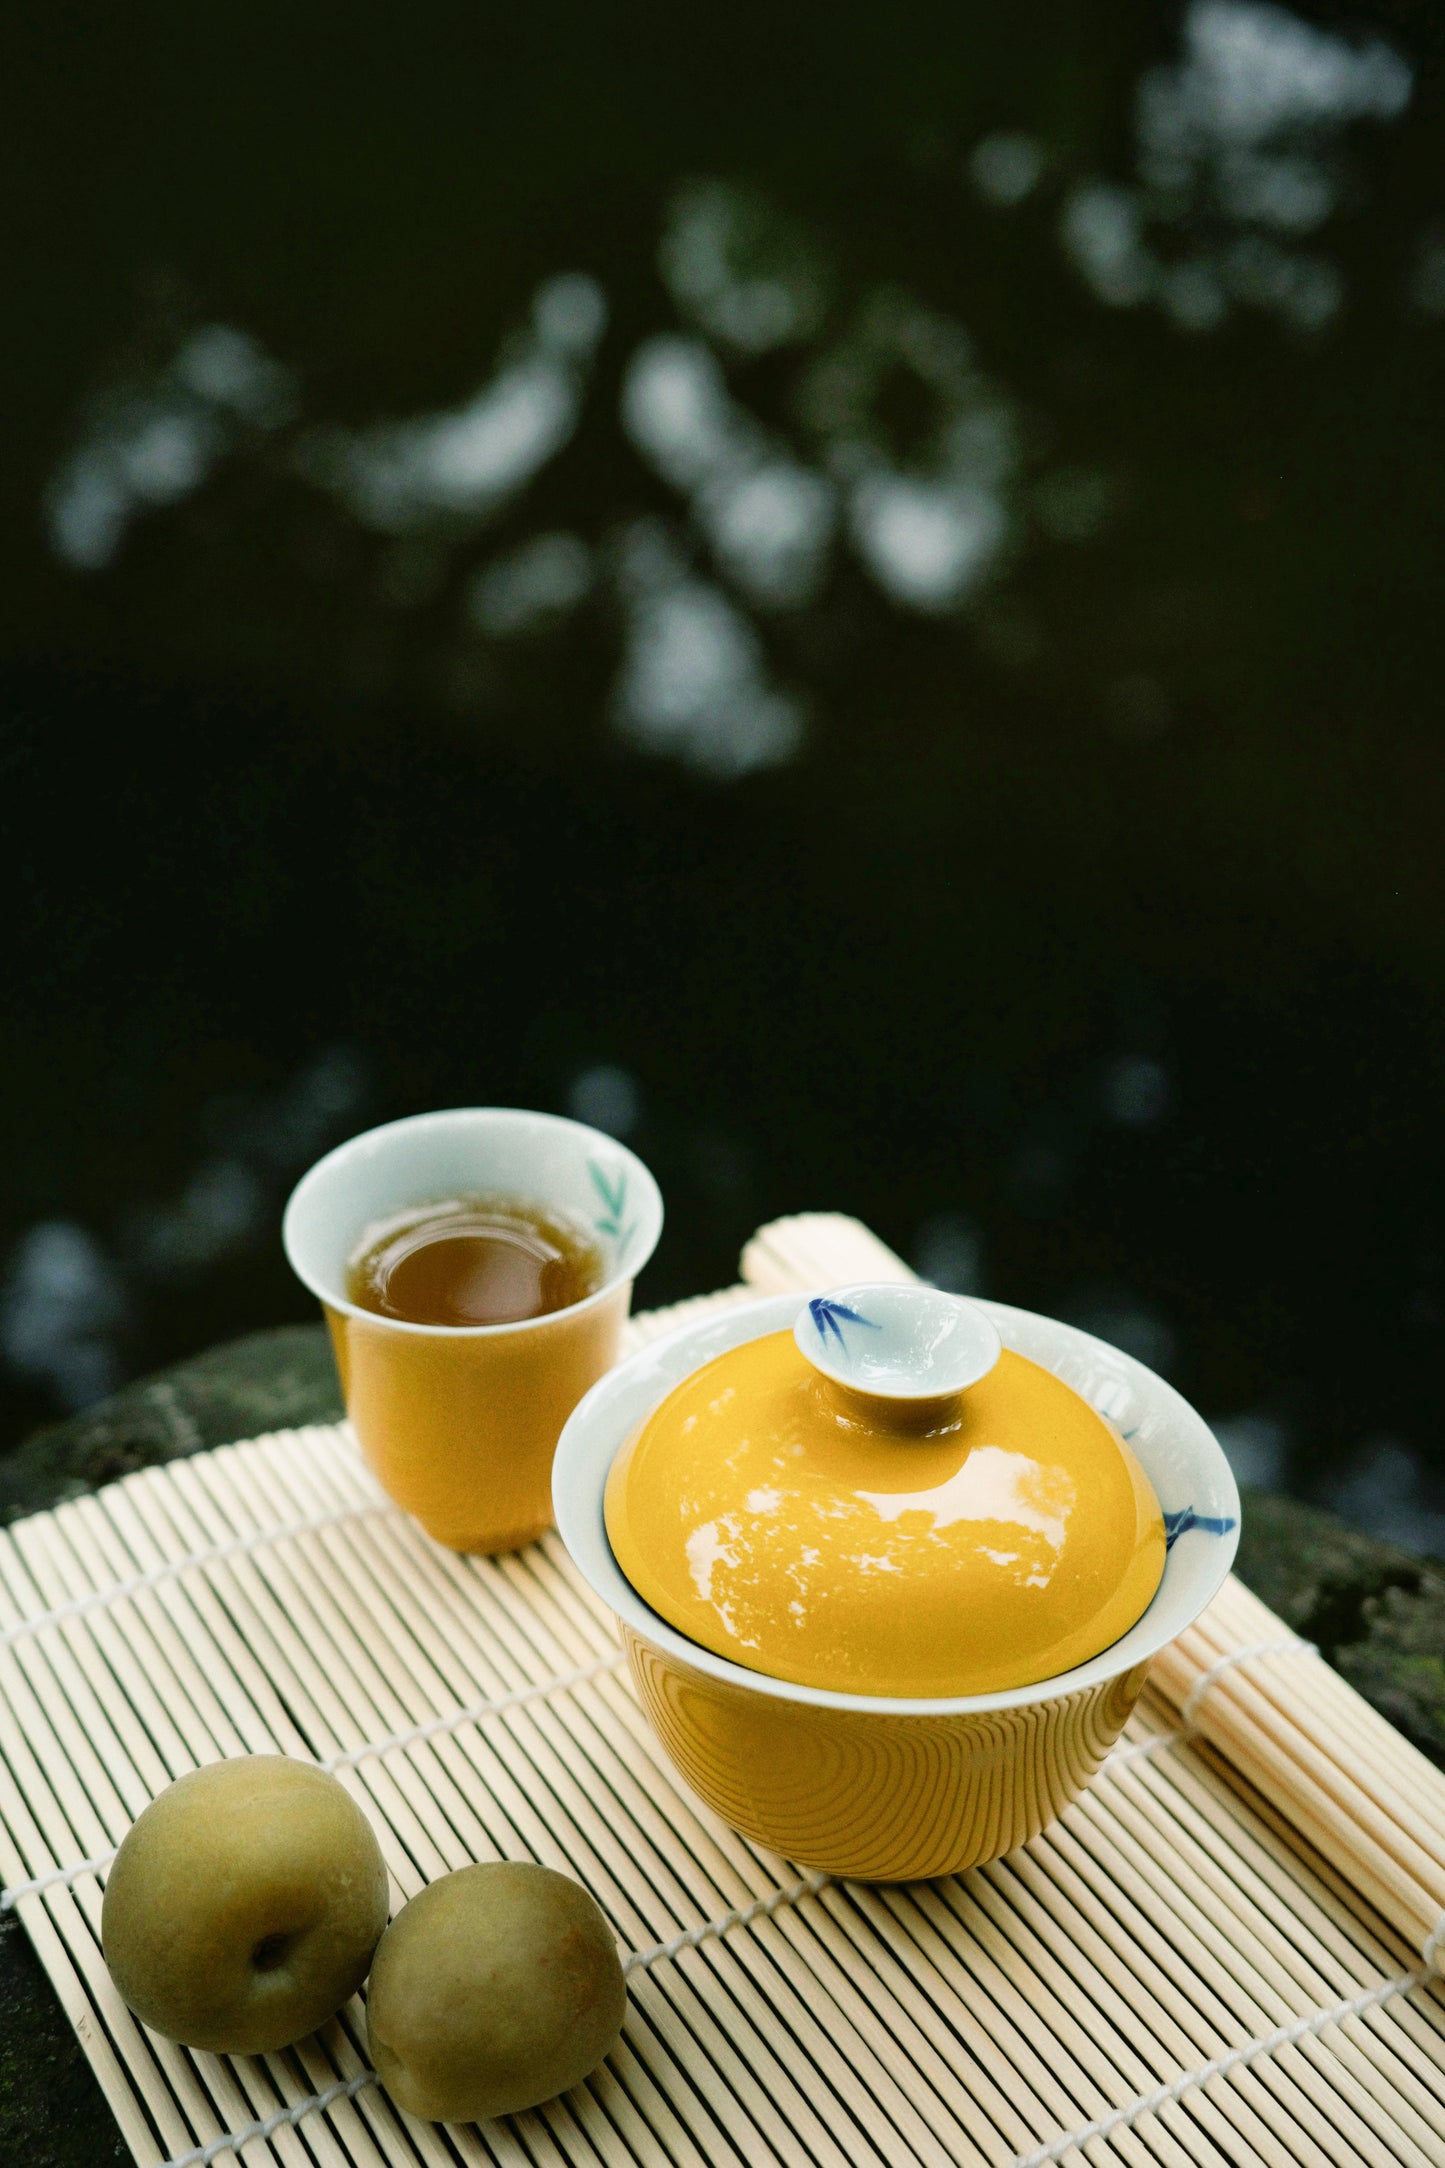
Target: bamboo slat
x: 1172, y: 1974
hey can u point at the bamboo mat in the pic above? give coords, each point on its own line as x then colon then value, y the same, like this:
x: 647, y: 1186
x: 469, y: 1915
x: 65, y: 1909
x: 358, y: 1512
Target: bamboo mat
x: 1168, y: 1975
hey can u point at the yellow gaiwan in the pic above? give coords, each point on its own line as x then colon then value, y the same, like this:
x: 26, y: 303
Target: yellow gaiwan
x: 886, y: 1501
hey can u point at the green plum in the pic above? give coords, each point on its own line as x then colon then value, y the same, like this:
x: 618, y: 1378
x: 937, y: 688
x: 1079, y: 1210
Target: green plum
x: 244, y: 1905
x: 495, y: 1988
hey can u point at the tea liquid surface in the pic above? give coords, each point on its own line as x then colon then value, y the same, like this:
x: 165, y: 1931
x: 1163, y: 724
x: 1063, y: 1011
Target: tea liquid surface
x: 472, y: 1261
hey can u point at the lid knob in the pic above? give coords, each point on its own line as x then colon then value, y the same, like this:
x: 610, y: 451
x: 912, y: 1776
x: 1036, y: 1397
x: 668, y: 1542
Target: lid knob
x: 906, y: 1350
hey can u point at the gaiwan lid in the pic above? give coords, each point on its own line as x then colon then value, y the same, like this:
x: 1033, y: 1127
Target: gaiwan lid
x: 886, y: 1501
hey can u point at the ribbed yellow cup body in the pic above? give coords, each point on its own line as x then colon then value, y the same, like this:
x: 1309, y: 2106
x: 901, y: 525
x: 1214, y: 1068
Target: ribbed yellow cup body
x: 885, y: 1798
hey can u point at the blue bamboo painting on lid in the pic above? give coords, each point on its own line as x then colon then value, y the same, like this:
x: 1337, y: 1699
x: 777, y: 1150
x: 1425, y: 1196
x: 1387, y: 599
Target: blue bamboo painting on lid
x: 830, y: 1318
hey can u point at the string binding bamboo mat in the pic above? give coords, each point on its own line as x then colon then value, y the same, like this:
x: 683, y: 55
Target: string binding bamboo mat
x: 1171, y: 1974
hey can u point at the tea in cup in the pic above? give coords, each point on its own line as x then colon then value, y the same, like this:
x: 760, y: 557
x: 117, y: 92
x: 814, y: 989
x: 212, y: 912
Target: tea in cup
x: 475, y: 1268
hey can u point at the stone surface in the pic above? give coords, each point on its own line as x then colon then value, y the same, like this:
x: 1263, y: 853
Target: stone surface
x: 52, y: 2112
x: 268, y: 1381
x: 1376, y: 1612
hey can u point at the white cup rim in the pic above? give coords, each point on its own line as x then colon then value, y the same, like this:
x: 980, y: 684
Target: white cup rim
x: 367, y: 1140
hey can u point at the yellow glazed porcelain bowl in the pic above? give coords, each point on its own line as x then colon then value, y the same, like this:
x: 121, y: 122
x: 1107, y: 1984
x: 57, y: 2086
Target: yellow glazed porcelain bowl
x: 899, y: 1786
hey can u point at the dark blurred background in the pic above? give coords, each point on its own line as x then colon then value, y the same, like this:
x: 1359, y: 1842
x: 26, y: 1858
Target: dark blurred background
x: 854, y: 598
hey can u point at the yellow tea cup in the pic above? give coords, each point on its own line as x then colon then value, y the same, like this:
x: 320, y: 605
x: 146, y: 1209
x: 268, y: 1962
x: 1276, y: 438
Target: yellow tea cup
x: 459, y: 1422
